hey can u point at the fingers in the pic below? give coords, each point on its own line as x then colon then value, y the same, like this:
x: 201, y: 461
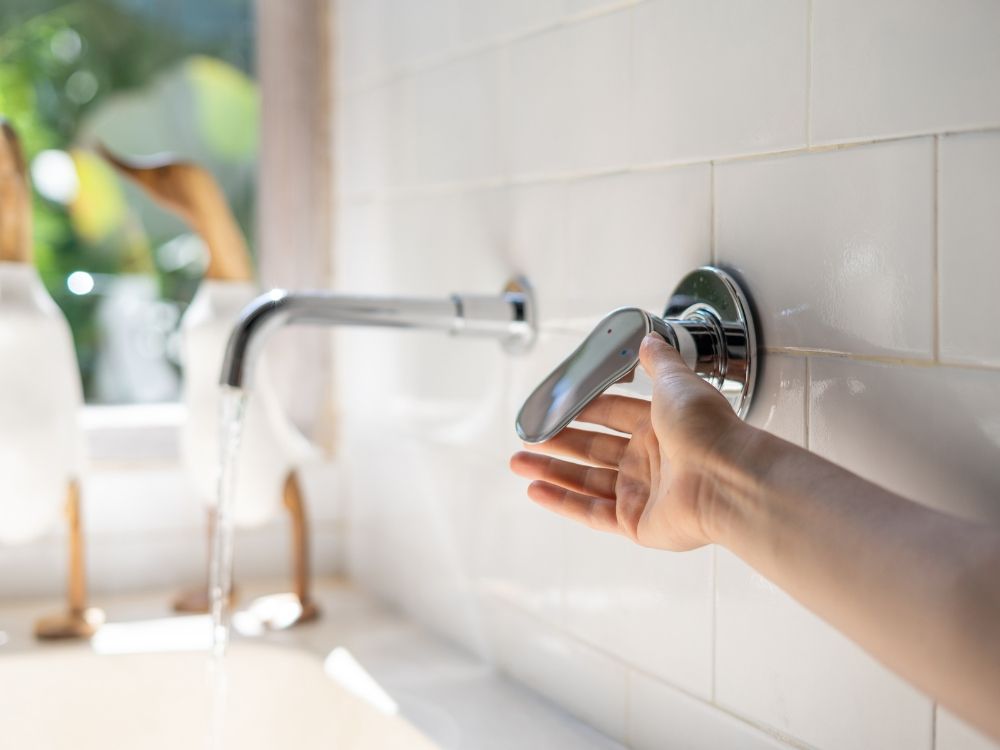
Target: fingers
x: 659, y: 358
x: 594, y: 448
x: 620, y: 413
x: 587, y: 480
x: 596, y: 512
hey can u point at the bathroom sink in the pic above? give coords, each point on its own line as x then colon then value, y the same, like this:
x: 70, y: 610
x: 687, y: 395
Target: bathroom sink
x: 267, y: 697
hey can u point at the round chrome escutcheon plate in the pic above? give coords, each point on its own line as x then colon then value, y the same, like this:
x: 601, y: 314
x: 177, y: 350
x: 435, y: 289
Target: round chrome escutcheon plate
x: 710, y: 291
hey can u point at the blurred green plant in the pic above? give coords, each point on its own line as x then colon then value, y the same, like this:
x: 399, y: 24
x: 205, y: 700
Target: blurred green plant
x: 142, y: 77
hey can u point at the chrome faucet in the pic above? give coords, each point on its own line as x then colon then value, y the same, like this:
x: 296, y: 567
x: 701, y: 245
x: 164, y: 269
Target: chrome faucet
x: 708, y: 319
x: 508, y: 317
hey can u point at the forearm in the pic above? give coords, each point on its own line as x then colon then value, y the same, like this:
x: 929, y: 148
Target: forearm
x: 918, y: 589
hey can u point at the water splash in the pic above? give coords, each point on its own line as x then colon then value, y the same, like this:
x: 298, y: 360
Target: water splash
x: 233, y: 408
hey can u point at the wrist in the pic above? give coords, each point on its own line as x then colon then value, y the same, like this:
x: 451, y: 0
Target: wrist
x: 735, y: 478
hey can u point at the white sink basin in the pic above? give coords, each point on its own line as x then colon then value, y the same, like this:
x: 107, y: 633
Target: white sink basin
x: 274, y: 698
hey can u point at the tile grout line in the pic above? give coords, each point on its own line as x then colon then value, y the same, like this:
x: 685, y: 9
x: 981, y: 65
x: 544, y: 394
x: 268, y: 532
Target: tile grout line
x: 629, y: 742
x: 792, y: 351
x: 809, y: 60
x: 806, y: 403
x: 713, y: 252
x: 715, y: 616
x: 936, y: 255
x: 483, y: 46
x: 631, y: 669
x: 497, y: 182
x: 586, y: 323
x: 934, y: 716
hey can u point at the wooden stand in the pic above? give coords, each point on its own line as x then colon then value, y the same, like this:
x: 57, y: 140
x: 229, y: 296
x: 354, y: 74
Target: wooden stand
x: 79, y: 621
x: 301, y: 571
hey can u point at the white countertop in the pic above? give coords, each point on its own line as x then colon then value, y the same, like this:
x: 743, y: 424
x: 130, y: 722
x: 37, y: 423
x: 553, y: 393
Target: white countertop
x: 455, y: 699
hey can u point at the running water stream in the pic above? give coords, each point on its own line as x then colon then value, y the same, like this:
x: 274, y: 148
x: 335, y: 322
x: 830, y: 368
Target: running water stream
x: 220, y: 577
x: 220, y: 582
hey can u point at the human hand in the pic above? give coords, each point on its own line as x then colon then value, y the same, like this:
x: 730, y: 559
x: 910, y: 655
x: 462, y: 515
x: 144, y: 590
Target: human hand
x: 656, y: 485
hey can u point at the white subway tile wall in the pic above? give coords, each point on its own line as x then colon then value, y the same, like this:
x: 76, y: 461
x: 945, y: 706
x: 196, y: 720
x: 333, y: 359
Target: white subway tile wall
x: 781, y: 665
x: 836, y: 247
x: 586, y: 681
x: 969, y: 241
x: 652, y: 610
x: 567, y: 106
x: 930, y: 433
x: 655, y: 224
x: 457, y: 144
x: 896, y: 67
x: 953, y: 734
x: 714, y: 78
x: 841, y: 156
x: 661, y: 716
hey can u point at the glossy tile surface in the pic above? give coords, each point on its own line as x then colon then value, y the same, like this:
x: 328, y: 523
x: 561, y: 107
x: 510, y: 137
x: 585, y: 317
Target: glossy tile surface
x: 836, y: 248
x: 969, y: 250
x: 569, y: 98
x: 713, y: 78
x: 657, y: 711
x: 537, y: 221
x: 954, y: 734
x: 487, y: 19
x: 777, y: 662
x: 931, y: 434
x: 520, y: 546
x: 455, y: 124
x: 592, y: 6
x: 559, y: 666
x: 631, y: 238
x: 417, y: 32
x: 778, y: 404
x: 360, y: 54
x: 376, y: 154
x: 898, y: 67
x: 651, y: 609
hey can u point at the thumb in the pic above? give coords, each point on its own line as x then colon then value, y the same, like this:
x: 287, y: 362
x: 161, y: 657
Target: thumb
x: 658, y: 358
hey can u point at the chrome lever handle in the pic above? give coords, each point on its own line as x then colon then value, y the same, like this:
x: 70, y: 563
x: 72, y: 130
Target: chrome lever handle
x: 708, y: 321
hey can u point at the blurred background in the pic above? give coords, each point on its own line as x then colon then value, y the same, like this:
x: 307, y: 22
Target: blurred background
x: 142, y: 77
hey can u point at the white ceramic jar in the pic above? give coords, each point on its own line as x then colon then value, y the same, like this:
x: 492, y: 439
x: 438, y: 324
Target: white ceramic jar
x: 40, y: 401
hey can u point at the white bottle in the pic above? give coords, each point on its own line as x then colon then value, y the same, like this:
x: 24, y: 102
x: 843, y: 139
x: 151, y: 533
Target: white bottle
x: 40, y: 400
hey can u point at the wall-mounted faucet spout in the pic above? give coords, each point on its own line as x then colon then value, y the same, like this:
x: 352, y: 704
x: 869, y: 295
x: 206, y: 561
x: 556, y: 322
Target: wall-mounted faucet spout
x: 507, y: 317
